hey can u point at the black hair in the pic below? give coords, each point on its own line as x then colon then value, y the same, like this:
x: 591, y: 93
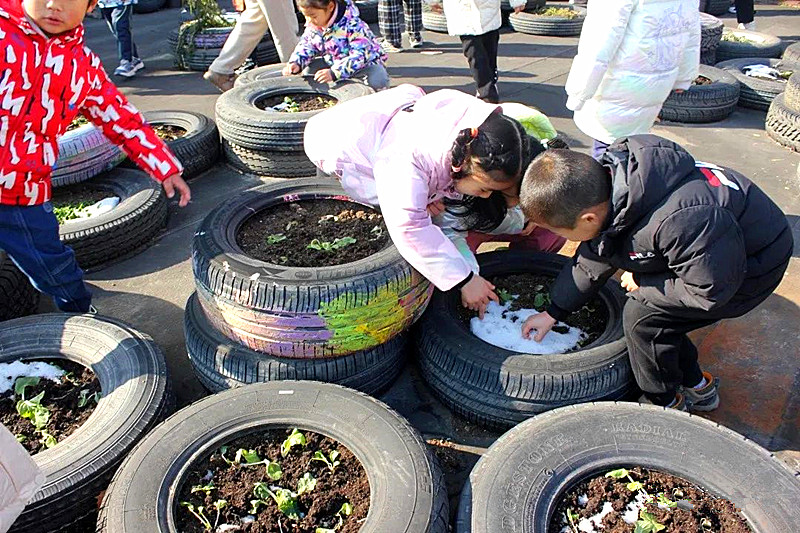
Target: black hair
x: 500, y: 144
x: 315, y: 4
x: 560, y: 184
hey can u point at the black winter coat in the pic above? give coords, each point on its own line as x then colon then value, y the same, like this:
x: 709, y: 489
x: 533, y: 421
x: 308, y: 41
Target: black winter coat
x: 696, y: 236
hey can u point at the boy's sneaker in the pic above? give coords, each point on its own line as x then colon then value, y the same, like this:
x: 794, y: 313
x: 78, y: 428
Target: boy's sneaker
x: 126, y: 68
x: 732, y: 10
x: 223, y: 82
x: 705, y: 399
x: 751, y: 26
x: 679, y: 404
x: 416, y: 42
x: 390, y: 48
x: 138, y: 64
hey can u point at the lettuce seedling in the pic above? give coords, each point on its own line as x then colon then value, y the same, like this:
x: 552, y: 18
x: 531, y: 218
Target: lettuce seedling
x: 206, y: 489
x: 326, y: 246
x: 295, y: 438
x: 284, y: 498
x: 200, y: 513
x: 307, y: 483
x: 251, y: 458
x: 647, y: 523
x: 345, y: 510
x: 331, y: 463
x: 33, y: 410
x: 620, y: 473
x: 664, y: 501
x: 85, y: 398
x: 504, y: 296
x: 276, y: 238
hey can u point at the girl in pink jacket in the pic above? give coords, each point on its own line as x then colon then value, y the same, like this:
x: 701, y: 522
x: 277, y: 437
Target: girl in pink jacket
x: 406, y: 152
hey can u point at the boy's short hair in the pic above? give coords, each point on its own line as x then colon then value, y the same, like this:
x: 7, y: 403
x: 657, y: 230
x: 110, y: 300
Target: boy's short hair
x: 560, y: 184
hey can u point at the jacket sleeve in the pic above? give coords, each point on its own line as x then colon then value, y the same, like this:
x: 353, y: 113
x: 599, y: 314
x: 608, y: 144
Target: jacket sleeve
x: 705, y: 250
x: 356, y: 59
x: 306, y: 50
x: 109, y: 110
x: 402, y: 190
x: 690, y: 62
x: 602, y: 34
x: 449, y: 224
x: 578, y: 282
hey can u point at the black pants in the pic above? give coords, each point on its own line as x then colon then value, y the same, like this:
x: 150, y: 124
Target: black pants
x: 481, y: 53
x: 745, y: 11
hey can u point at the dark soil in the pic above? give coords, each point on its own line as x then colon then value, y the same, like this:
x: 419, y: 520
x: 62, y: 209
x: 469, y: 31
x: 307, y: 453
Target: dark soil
x: 77, y: 123
x: 304, y: 101
x: 167, y: 132
x: 78, y: 193
x: 60, y: 398
x: 234, y: 483
x: 702, y: 80
x: 295, y: 225
x: 720, y: 515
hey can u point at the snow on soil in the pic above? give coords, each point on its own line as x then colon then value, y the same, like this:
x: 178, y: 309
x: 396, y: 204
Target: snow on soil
x: 9, y: 372
x: 507, y: 332
x: 589, y: 525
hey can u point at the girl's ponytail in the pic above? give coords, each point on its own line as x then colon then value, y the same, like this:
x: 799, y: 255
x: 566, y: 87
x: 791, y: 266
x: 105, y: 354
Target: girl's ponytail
x: 461, y: 151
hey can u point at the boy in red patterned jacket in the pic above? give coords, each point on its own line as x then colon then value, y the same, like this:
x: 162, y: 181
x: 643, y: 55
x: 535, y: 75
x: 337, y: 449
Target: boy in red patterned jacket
x: 47, y: 77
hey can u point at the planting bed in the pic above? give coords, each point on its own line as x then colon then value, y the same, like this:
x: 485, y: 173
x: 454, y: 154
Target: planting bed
x: 70, y: 200
x: 325, y: 488
x: 167, y: 132
x: 295, y: 103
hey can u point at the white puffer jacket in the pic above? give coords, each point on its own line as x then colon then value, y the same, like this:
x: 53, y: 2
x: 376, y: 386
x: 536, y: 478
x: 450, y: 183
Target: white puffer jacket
x: 474, y: 17
x: 631, y: 55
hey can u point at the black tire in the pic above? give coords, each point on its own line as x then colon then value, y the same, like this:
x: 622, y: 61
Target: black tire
x: 783, y: 124
x: 368, y: 10
x: 755, y: 93
x: 198, y: 149
x: 791, y: 56
x: 530, y: 23
x: 281, y: 310
x: 407, y: 491
x: 703, y: 103
x: 268, y: 72
x: 17, y: 295
x: 136, y: 396
x: 126, y: 229
x: 244, y: 124
x: 761, y: 45
x: 499, y: 388
x: 148, y: 6
x: 221, y: 364
x: 791, y: 97
x: 265, y: 53
x: 82, y: 154
x: 269, y: 163
x: 526, y: 471
x: 710, y: 35
x: 434, y: 21
x: 717, y: 7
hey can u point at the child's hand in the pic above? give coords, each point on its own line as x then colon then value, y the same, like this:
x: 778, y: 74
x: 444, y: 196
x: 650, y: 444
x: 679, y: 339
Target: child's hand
x: 436, y: 208
x: 476, y: 294
x: 176, y: 183
x: 519, y: 9
x: 238, y: 5
x: 541, y: 322
x: 324, y: 76
x: 290, y: 68
x: 627, y: 282
x: 528, y: 229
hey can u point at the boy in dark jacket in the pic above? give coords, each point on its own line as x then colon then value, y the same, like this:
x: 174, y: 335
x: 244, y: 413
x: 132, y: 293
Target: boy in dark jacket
x: 698, y: 243
x: 48, y: 77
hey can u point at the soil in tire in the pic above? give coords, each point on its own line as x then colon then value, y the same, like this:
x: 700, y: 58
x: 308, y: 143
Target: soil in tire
x: 281, y: 235
x: 168, y: 132
x: 234, y: 482
x: 297, y: 102
x: 708, y: 513
x: 68, y: 406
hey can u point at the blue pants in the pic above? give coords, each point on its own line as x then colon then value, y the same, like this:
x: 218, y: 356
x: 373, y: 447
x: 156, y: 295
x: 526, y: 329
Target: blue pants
x: 29, y: 235
x: 119, y: 22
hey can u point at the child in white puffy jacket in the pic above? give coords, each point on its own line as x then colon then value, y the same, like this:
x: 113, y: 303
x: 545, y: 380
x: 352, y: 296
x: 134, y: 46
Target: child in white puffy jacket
x: 631, y: 55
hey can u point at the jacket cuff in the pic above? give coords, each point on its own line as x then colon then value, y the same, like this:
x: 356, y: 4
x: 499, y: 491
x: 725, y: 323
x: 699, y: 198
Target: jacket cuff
x: 574, y: 103
x: 460, y: 284
x: 556, y: 312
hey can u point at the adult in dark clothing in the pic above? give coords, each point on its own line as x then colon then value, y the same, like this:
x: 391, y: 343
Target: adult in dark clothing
x: 698, y: 243
x: 745, y: 14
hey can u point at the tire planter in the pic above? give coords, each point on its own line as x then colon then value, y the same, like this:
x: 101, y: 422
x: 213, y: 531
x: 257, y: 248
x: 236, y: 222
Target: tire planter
x: 198, y: 149
x: 791, y: 97
x: 126, y: 229
x: 760, y: 45
x: 268, y: 72
x: 525, y: 22
x: 710, y: 35
x: 407, y: 491
x: 300, y: 312
x: 148, y: 6
x: 17, y: 295
x: 791, y: 56
x: 505, y: 5
x: 717, y: 7
x: 83, y: 153
x: 136, y: 396
x: 368, y: 10
x: 499, y: 388
x: 755, y: 93
x: 244, y: 124
x: 269, y: 163
x: 703, y: 103
x: 524, y: 474
x: 434, y: 21
x: 783, y: 124
x: 220, y: 363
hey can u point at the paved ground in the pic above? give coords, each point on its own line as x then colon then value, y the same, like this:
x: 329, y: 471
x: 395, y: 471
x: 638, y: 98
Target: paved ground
x: 756, y: 356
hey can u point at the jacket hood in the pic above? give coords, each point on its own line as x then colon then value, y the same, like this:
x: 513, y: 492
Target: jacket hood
x: 644, y: 169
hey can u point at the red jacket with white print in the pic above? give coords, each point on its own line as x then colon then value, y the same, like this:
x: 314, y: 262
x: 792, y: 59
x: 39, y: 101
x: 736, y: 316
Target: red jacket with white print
x: 44, y: 84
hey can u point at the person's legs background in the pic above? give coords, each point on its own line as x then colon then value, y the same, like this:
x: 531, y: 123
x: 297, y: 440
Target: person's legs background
x: 412, y: 12
x: 389, y: 12
x: 478, y: 50
x: 283, y: 25
x: 29, y: 235
x: 374, y: 75
x: 119, y: 22
x: 745, y: 11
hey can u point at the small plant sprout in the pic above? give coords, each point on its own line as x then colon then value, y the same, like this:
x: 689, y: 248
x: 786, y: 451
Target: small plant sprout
x: 33, y: 410
x: 219, y: 505
x: 291, y: 105
x: 247, y: 457
x: 647, y: 523
x: 291, y: 224
x: 541, y: 300
x: 706, y: 524
x: 274, y: 470
x: 326, y: 246
x: 295, y: 438
x: 621, y: 473
x: 345, y: 510
x: 200, y: 513
x: 251, y: 458
x: 332, y: 461
x: 504, y: 296
x: 205, y: 489
x: 307, y: 483
x: 20, y: 437
x: 284, y: 498
x: 276, y: 238
x: 573, y: 518
x: 377, y: 231
x: 665, y: 502
x: 85, y: 398
x: 23, y: 383
x: 47, y: 439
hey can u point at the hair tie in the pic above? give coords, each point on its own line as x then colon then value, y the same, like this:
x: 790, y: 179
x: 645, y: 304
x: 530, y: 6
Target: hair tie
x: 455, y: 168
x: 473, y: 133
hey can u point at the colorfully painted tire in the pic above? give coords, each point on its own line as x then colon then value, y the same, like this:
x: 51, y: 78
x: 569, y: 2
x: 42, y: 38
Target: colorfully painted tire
x: 754, y: 93
x: 759, y: 45
x: 300, y: 312
x: 703, y: 103
x: 82, y: 154
x: 532, y: 24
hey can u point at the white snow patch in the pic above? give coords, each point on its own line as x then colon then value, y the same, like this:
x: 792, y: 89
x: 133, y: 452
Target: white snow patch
x: 583, y: 499
x: 507, y: 332
x: 9, y: 372
x: 588, y: 525
x: 247, y: 519
x: 222, y: 528
x: 631, y: 514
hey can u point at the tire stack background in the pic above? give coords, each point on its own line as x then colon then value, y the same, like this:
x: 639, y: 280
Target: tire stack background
x: 710, y: 35
x: 783, y: 117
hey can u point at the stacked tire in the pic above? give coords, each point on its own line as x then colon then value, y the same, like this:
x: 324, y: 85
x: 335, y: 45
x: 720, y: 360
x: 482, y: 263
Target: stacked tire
x: 783, y: 117
x: 535, y: 24
x: 259, y: 140
x: 433, y: 18
x: 710, y: 36
x: 755, y: 93
x: 251, y: 321
x: 737, y: 44
x: 716, y: 7
x: 198, y: 148
x: 711, y: 101
x: 84, y: 152
x: 17, y: 296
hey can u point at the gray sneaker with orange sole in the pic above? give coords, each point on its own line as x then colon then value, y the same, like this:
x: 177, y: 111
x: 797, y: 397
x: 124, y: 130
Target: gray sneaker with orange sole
x: 705, y: 399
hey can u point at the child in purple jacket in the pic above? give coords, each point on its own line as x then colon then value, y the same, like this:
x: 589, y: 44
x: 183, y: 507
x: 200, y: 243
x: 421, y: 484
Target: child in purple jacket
x: 335, y: 33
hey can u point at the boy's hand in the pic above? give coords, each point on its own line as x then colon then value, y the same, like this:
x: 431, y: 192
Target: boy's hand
x: 476, y: 294
x: 324, y: 76
x: 176, y: 183
x: 290, y: 68
x: 627, y: 282
x: 436, y: 208
x: 541, y: 322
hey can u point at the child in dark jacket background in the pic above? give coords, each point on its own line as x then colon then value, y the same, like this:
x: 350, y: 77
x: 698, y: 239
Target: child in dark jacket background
x: 698, y: 243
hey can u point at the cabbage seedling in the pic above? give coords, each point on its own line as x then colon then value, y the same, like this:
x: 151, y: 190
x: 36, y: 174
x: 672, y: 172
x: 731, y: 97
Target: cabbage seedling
x: 200, y: 513
x: 307, y: 483
x: 85, y: 398
x: 326, y: 246
x: 647, y: 523
x: 276, y: 238
x: 33, y: 410
x: 620, y: 473
x: 284, y: 498
x: 251, y: 458
x: 295, y: 438
x: 332, y: 461
x: 345, y: 510
x: 205, y: 489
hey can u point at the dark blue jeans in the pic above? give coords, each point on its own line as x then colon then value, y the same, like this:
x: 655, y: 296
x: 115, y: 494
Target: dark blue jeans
x: 119, y: 22
x: 29, y: 235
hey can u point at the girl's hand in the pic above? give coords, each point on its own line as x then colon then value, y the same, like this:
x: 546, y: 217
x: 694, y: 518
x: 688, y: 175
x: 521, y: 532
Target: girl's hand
x: 627, y: 282
x: 324, y: 76
x: 519, y: 9
x: 541, y: 322
x: 528, y: 229
x: 290, y: 68
x: 176, y: 183
x: 476, y: 294
x: 436, y: 208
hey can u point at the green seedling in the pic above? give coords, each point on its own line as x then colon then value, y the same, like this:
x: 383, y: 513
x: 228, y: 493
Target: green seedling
x: 284, y: 498
x: 219, y: 505
x: 33, y: 410
x: 326, y: 246
x: 666, y: 502
x: 71, y: 211
x: 573, y: 518
x: 307, y: 483
x: 276, y: 238
x: 377, y: 231
x: 291, y: 224
x: 199, y: 512
x: 20, y: 438
x: 561, y: 12
x: 47, y: 439
x: 23, y: 383
x: 541, y: 300
x: 647, y: 523
x: 621, y: 473
x: 332, y: 461
x: 70, y: 377
x: 295, y: 438
x: 291, y: 105
x: 345, y: 510
x: 251, y: 458
x: 504, y: 296
x: 85, y: 398
x: 706, y: 524
x: 205, y: 489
